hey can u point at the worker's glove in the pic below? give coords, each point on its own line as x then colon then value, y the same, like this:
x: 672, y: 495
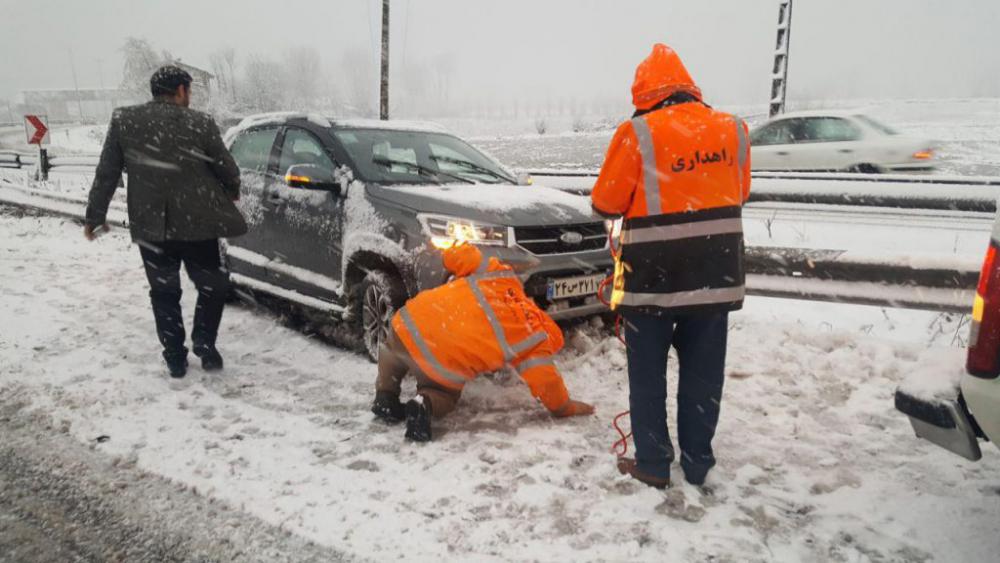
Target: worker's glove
x: 574, y: 408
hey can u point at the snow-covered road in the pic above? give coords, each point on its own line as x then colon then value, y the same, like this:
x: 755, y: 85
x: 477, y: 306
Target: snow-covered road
x: 814, y: 462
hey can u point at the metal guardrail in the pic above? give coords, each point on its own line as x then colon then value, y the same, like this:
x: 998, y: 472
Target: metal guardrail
x: 813, y: 275
x: 949, y: 193
x: 824, y: 176
x: 943, y: 193
x: 10, y: 160
x: 817, y: 275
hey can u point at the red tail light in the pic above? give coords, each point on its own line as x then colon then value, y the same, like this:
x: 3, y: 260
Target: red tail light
x: 984, y: 274
x: 983, y: 359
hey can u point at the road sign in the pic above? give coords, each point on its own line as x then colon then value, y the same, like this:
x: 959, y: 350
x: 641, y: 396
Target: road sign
x: 36, y: 129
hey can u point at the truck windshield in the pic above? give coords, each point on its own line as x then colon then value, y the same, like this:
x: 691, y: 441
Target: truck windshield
x: 417, y: 157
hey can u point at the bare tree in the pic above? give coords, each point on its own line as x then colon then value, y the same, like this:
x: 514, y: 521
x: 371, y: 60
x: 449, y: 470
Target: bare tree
x: 442, y: 72
x: 412, y: 93
x: 218, y: 62
x: 229, y: 55
x: 359, y: 79
x: 304, y: 73
x: 141, y: 60
x: 262, y: 88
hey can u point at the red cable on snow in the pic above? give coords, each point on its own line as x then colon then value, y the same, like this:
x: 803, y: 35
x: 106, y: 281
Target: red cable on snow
x: 620, y: 447
x: 622, y: 443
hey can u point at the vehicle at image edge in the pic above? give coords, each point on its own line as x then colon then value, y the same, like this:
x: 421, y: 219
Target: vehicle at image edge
x: 348, y: 217
x: 960, y: 410
x: 832, y: 141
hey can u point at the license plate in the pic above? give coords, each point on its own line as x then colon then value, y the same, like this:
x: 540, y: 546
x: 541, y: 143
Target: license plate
x: 579, y: 286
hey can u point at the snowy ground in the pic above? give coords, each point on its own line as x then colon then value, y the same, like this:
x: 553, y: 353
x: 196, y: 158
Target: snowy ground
x: 85, y: 139
x: 814, y: 462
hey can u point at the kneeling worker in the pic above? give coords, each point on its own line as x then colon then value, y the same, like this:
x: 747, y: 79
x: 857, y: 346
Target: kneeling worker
x: 478, y: 323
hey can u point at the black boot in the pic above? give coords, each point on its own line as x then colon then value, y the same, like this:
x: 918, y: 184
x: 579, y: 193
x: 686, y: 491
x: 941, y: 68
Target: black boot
x: 696, y: 474
x: 211, y: 359
x: 388, y: 407
x: 177, y: 364
x: 418, y: 420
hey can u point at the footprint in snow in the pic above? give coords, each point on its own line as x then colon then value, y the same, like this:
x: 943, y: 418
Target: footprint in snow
x: 363, y: 465
x: 675, y: 506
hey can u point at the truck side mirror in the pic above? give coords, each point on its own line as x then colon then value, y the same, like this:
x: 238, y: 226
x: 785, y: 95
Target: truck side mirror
x: 311, y: 177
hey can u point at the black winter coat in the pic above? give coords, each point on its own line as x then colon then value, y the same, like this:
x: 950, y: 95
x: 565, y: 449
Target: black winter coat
x: 181, y: 179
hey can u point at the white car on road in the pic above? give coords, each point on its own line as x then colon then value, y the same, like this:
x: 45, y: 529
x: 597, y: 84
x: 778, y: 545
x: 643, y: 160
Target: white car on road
x: 836, y: 141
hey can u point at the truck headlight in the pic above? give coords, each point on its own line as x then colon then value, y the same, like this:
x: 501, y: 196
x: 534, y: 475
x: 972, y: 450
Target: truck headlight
x: 445, y: 231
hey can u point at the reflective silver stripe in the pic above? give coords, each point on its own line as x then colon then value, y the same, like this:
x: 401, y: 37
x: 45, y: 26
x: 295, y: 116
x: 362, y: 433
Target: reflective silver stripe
x: 426, y: 352
x: 741, y: 135
x: 530, y: 342
x: 684, y: 298
x: 650, y: 174
x: 491, y: 316
x: 534, y: 363
x: 682, y: 231
x: 484, y: 264
x: 492, y: 275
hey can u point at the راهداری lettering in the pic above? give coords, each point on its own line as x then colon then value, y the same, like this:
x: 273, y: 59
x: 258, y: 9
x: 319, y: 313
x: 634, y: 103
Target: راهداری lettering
x: 699, y: 158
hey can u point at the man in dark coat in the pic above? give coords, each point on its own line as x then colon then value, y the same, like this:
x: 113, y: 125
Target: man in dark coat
x: 182, y: 185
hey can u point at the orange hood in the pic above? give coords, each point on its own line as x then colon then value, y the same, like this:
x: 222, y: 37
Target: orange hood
x: 462, y: 259
x: 660, y: 76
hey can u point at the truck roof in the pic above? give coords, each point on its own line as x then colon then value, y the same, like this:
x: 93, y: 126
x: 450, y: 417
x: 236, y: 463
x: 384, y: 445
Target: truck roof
x: 280, y: 117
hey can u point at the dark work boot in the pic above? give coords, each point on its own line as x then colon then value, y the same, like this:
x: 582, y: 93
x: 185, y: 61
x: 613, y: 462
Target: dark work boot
x: 388, y: 408
x: 177, y: 364
x: 695, y: 474
x: 211, y: 359
x: 418, y: 420
x: 627, y: 466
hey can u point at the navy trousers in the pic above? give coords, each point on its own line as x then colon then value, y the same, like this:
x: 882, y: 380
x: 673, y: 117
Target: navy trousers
x: 202, y: 260
x: 700, y: 341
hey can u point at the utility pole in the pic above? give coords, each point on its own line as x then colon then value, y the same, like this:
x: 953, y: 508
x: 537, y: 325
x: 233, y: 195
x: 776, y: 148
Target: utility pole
x: 384, y: 90
x: 779, y: 74
x: 76, y: 86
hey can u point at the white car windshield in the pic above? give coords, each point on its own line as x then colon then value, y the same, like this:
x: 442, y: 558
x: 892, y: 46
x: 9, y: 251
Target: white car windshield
x: 876, y: 125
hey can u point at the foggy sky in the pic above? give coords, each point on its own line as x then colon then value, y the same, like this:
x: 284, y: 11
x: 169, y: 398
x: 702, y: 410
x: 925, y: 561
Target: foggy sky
x: 536, y: 49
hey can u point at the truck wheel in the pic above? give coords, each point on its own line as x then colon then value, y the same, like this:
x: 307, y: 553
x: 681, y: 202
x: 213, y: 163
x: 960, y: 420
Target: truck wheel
x: 378, y: 297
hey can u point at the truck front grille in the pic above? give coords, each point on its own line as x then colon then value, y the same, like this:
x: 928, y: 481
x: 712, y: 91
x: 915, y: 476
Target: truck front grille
x: 561, y: 239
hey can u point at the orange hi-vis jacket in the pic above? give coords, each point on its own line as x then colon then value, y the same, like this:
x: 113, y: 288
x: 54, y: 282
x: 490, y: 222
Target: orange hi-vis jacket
x: 679, y: 173
x: 479, y: 323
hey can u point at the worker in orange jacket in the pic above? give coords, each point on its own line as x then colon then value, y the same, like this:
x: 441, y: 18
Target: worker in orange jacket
x: 679, y: 174
x: 479, y: 322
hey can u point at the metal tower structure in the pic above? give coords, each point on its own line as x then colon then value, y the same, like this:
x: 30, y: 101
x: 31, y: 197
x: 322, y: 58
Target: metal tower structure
x: 779, y: 75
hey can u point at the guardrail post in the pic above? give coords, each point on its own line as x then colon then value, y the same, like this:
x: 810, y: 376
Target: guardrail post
x: 44, y: 165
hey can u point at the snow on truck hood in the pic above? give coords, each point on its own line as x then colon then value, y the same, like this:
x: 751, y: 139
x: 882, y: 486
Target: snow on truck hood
x: 502, y: 204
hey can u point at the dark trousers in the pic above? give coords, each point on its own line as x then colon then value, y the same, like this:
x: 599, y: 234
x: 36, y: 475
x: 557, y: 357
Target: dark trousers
x: 204, y: 266
x: 395, y: 363
x: 700, y: 341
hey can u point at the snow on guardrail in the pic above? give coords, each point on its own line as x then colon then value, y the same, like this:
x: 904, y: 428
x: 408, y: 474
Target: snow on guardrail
x: 954, y: 193
x: 939, y: 284
x: 902, y: 191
